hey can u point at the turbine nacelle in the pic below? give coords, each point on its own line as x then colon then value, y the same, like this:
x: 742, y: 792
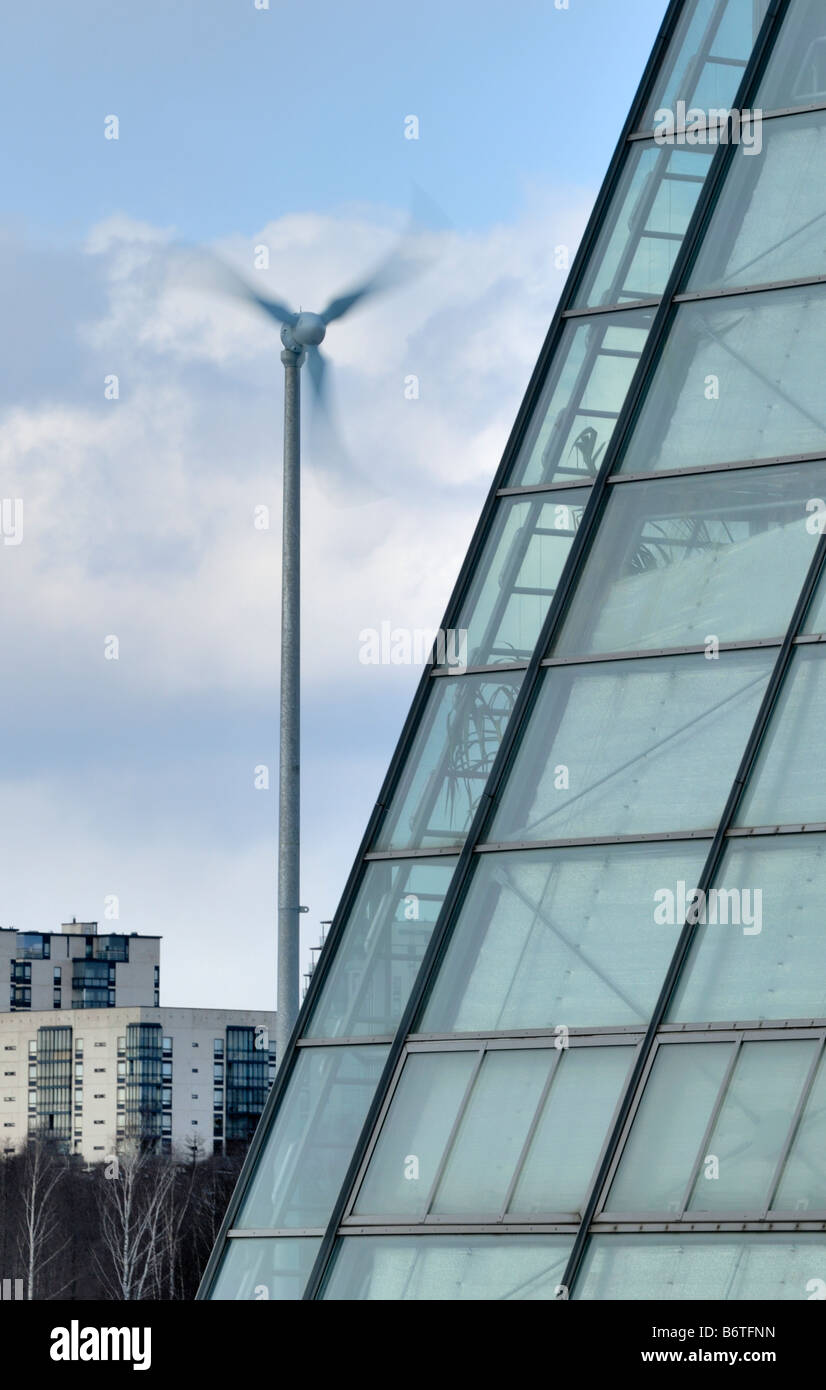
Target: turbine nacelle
x: 309, y: 330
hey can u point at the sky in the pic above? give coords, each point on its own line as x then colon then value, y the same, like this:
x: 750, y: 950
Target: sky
x: 130, y: 766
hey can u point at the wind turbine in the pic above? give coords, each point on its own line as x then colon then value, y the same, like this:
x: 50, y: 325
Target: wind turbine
x: 301, y: 336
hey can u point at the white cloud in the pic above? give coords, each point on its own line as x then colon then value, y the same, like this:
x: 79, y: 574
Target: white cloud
x: 138, y: 513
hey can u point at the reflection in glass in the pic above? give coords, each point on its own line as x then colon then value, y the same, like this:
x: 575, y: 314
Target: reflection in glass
x: 517, y: 576
x: 668, y: 1128
x: 302, y: 1164
x: 368, y: 982
x: 770, y: 221
x: 724, y: 1266
x: 707, y: 30
x: 453, y: 1268
x: 561, y: 935
x: 759, y: 953
x: 631, y: 746
x: 587, y: 383
x: 250, y: 1266
x: 796, y: 74
x: 674, y: 560
x: 413, y: 1137
x: 785, y: 787
x: 645, y: 224
x: 738, y: 379
x: 449, y: 761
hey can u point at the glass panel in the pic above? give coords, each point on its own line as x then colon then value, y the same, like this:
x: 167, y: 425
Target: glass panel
x: 261, y: 1269
x: 770, y: 221
x: 584, y: 391
x: 796, y: 75
x: 368, y: 982
x: 738, y: 379
x: 560, y: 936
x: 306, y: 1153
x: 785, y: 787
x: 492, y: 1132
x: 517, y: 575
x: 645, y: 224
x: 422, y: 1114
x: 802, y: 1187
x: 572, y: 1130
x: 723, y: 28
x: 719, y: 1267
x: 668, y: 1128
x: 631, y: 747
x: 759, y: 952
x: 679, y: 560
x: 752, y: 1127
x: 453, y: 1268
x: 449, y: 762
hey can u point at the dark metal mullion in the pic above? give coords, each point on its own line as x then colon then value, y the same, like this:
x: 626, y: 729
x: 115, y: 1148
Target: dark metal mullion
x: 523, y: 698
x: 712, y: 1122
x: 794, y: 1127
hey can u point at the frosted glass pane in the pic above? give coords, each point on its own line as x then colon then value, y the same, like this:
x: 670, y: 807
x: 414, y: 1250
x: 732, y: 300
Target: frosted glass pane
x: 449, y: 761
x: 572, y: 1130
x: 802, y: 1186
x: 453, y: 1268
x: 409, y: 1149
x: 748, y: 1136
x: 282, y: 1267
x: 676, y: 560
x: 560, y: 936
x: 517, y: 575
x: 587, y: 382
x: 759, y: 953
x: 786, y: 787
x: 668, y: 1128
x: 770, y: 221
x: 307, y: 1150
x: 369, y: 980
x: 738, y: 379
x: 630, y: 746
x: 492, y: 1132
x: 720, y: 1267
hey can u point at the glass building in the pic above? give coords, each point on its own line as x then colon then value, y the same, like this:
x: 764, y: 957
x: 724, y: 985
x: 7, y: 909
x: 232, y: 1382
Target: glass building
x: 567, y: 1035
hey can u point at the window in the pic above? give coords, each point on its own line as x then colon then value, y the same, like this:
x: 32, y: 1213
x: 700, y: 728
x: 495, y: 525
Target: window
x: 323, y: 1110
x: 631, y: 728
x: 449, y: 761
x: 218, y: 1047
x: 379, y: 954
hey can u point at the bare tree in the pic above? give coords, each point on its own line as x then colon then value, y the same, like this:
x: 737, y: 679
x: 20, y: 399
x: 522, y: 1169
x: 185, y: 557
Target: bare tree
x: 39, y: 1223
x: 133, y: 1194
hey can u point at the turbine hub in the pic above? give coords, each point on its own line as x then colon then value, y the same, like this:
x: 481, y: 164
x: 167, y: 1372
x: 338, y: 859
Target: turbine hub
x: 309, y: 330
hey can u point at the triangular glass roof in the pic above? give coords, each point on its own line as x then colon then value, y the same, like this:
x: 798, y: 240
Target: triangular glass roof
x: 566, y: 1036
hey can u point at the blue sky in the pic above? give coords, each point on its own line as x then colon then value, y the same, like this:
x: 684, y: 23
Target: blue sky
x: 241, y: 127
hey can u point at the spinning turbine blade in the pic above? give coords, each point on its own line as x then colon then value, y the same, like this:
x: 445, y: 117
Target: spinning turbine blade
x: 344, y: 482
x: 203, y: 270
